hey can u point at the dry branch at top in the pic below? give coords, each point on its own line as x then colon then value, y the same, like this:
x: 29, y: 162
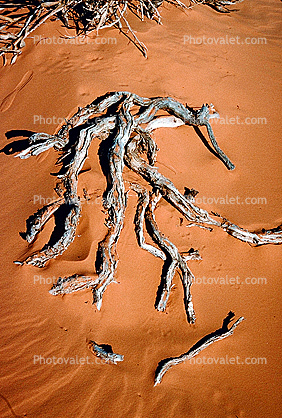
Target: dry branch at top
x: 124, y: 123
x: 20, y: 18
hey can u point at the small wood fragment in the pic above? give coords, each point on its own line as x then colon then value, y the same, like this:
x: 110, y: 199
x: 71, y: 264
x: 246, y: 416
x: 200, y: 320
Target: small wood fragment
x: 105, y: 352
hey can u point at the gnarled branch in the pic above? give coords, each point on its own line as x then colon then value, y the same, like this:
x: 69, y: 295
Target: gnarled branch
x: 126, y: 138
x: 219, y: 334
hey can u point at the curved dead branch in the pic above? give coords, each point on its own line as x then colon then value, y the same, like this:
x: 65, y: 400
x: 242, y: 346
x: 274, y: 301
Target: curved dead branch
x: 187, y: 207
x: 143, y: 202
x: 36, y: 222
x: 219, y: 334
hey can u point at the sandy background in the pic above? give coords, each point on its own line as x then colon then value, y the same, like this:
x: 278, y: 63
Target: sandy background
x: 242, y: 81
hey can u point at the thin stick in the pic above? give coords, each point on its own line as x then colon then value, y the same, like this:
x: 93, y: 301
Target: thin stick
x: 219, y: 334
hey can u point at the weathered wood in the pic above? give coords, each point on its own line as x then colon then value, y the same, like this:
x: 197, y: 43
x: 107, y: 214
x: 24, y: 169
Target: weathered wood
x: 115, y: 203
x: 36, y: 222
x: 219, y: 334
x: 19, y: 20
x: 72, y: 161
x: 186, y: 206
x: 143, y: 202
x: 105, y: 352
x: 126, y: 138
x: 70, y: 284
x: 170, y: 193
x: 173, y: 259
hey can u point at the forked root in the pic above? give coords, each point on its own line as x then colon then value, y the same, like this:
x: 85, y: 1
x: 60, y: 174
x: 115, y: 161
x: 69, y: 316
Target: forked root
x: 174, y: 261
x: 124, y: 123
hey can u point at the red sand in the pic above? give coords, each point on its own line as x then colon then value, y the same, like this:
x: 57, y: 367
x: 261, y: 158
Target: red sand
x: 241, y: 81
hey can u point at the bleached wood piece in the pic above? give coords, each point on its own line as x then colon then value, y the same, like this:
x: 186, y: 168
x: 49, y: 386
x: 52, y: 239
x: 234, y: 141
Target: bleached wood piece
x: 105, y: 352
x: 219, y: 334
x: 143, y: 202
